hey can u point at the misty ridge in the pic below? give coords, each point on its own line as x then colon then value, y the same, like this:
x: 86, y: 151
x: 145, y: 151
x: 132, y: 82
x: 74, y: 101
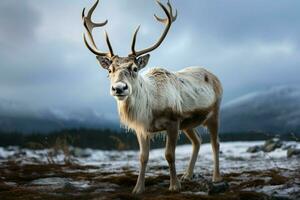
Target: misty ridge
x: 275, y: 110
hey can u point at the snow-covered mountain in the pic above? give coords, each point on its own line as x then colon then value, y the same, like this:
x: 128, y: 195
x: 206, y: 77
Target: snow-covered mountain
x: 17, y: 116
x: 276, y: 110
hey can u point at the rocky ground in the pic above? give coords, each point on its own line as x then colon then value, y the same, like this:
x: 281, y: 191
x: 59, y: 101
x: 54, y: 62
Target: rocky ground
x: 94, y: 174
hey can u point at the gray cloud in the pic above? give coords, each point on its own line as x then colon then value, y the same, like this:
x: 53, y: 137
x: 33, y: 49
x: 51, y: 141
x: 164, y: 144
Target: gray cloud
x: 234, y: 21
x: 18, y: 22
x: 250, y: 45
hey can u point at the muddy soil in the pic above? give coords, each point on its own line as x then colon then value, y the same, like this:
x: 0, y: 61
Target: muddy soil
x: 64, y: 182
x: 95, y: 174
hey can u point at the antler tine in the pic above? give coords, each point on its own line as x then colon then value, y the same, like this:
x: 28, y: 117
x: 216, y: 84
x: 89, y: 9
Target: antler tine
x: 134, y: 41
x: 89, y: 26
x: 174, y: 17
x: 90, y: 12
x: 109, y: 45
x: 169, y: 13
x: 93, y: 49
x: 167, y: 21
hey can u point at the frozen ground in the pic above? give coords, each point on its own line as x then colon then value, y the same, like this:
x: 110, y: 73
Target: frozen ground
x: 96, y: 174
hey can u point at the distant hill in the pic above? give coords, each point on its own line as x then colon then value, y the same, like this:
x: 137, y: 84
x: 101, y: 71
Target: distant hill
x: 276, y: 110
x: 18, y: 117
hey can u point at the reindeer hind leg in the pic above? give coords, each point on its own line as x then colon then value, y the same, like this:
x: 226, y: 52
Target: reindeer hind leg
x: 213, y: 127
x: 196, y: 142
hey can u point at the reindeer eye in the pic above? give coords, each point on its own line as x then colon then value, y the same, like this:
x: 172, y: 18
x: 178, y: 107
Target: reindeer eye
x: 109, y: 70
x: 135, y: 69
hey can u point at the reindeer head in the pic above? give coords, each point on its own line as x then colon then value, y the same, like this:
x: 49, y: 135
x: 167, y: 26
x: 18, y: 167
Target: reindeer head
x: 123, y: 71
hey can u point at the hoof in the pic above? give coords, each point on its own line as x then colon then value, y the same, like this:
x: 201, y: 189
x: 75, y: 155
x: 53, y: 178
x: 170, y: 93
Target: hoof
x: 186, y: 177
x: 175, y: 187
x: 138, y: 189
x: 217, y: 179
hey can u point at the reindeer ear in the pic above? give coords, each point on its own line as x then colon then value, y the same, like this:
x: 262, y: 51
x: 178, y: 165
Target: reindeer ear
x: 104, y: 61
x: 142, y: 61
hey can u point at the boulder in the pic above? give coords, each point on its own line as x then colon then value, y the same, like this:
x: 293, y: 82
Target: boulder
x: 268, y: 146
x: 272, y: 144
x: 254, y: 149
x: 293, y: 152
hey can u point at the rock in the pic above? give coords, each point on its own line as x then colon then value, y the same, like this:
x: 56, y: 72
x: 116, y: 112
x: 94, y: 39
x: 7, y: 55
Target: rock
x: 216, y: 188
x: 270, y: 147
x: 254, y: 149
x: 288, y: 146
x: 272, y: 144
x: 293, y: 152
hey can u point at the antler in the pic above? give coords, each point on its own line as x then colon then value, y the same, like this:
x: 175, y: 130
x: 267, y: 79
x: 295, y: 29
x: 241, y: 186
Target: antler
x: 167, y: 22
x: 89, y: 26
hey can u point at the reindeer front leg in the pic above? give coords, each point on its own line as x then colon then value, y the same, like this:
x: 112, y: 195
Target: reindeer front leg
x: 172, y: 134
x: 144, y: 143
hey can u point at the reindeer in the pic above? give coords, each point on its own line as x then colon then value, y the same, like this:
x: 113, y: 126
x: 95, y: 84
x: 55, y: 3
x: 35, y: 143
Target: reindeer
x: 160, y: 100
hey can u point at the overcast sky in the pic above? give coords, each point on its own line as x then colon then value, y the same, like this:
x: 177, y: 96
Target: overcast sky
x: 250, y: 45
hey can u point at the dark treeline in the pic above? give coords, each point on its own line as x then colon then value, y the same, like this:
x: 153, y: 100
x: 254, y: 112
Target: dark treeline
x: 108, y: 139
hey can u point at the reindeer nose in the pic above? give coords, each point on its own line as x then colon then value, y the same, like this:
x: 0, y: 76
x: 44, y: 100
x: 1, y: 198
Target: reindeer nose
x: 119, y: 88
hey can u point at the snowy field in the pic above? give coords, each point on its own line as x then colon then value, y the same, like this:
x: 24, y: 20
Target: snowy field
x: 234, y: 156
x: 109, y: 174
